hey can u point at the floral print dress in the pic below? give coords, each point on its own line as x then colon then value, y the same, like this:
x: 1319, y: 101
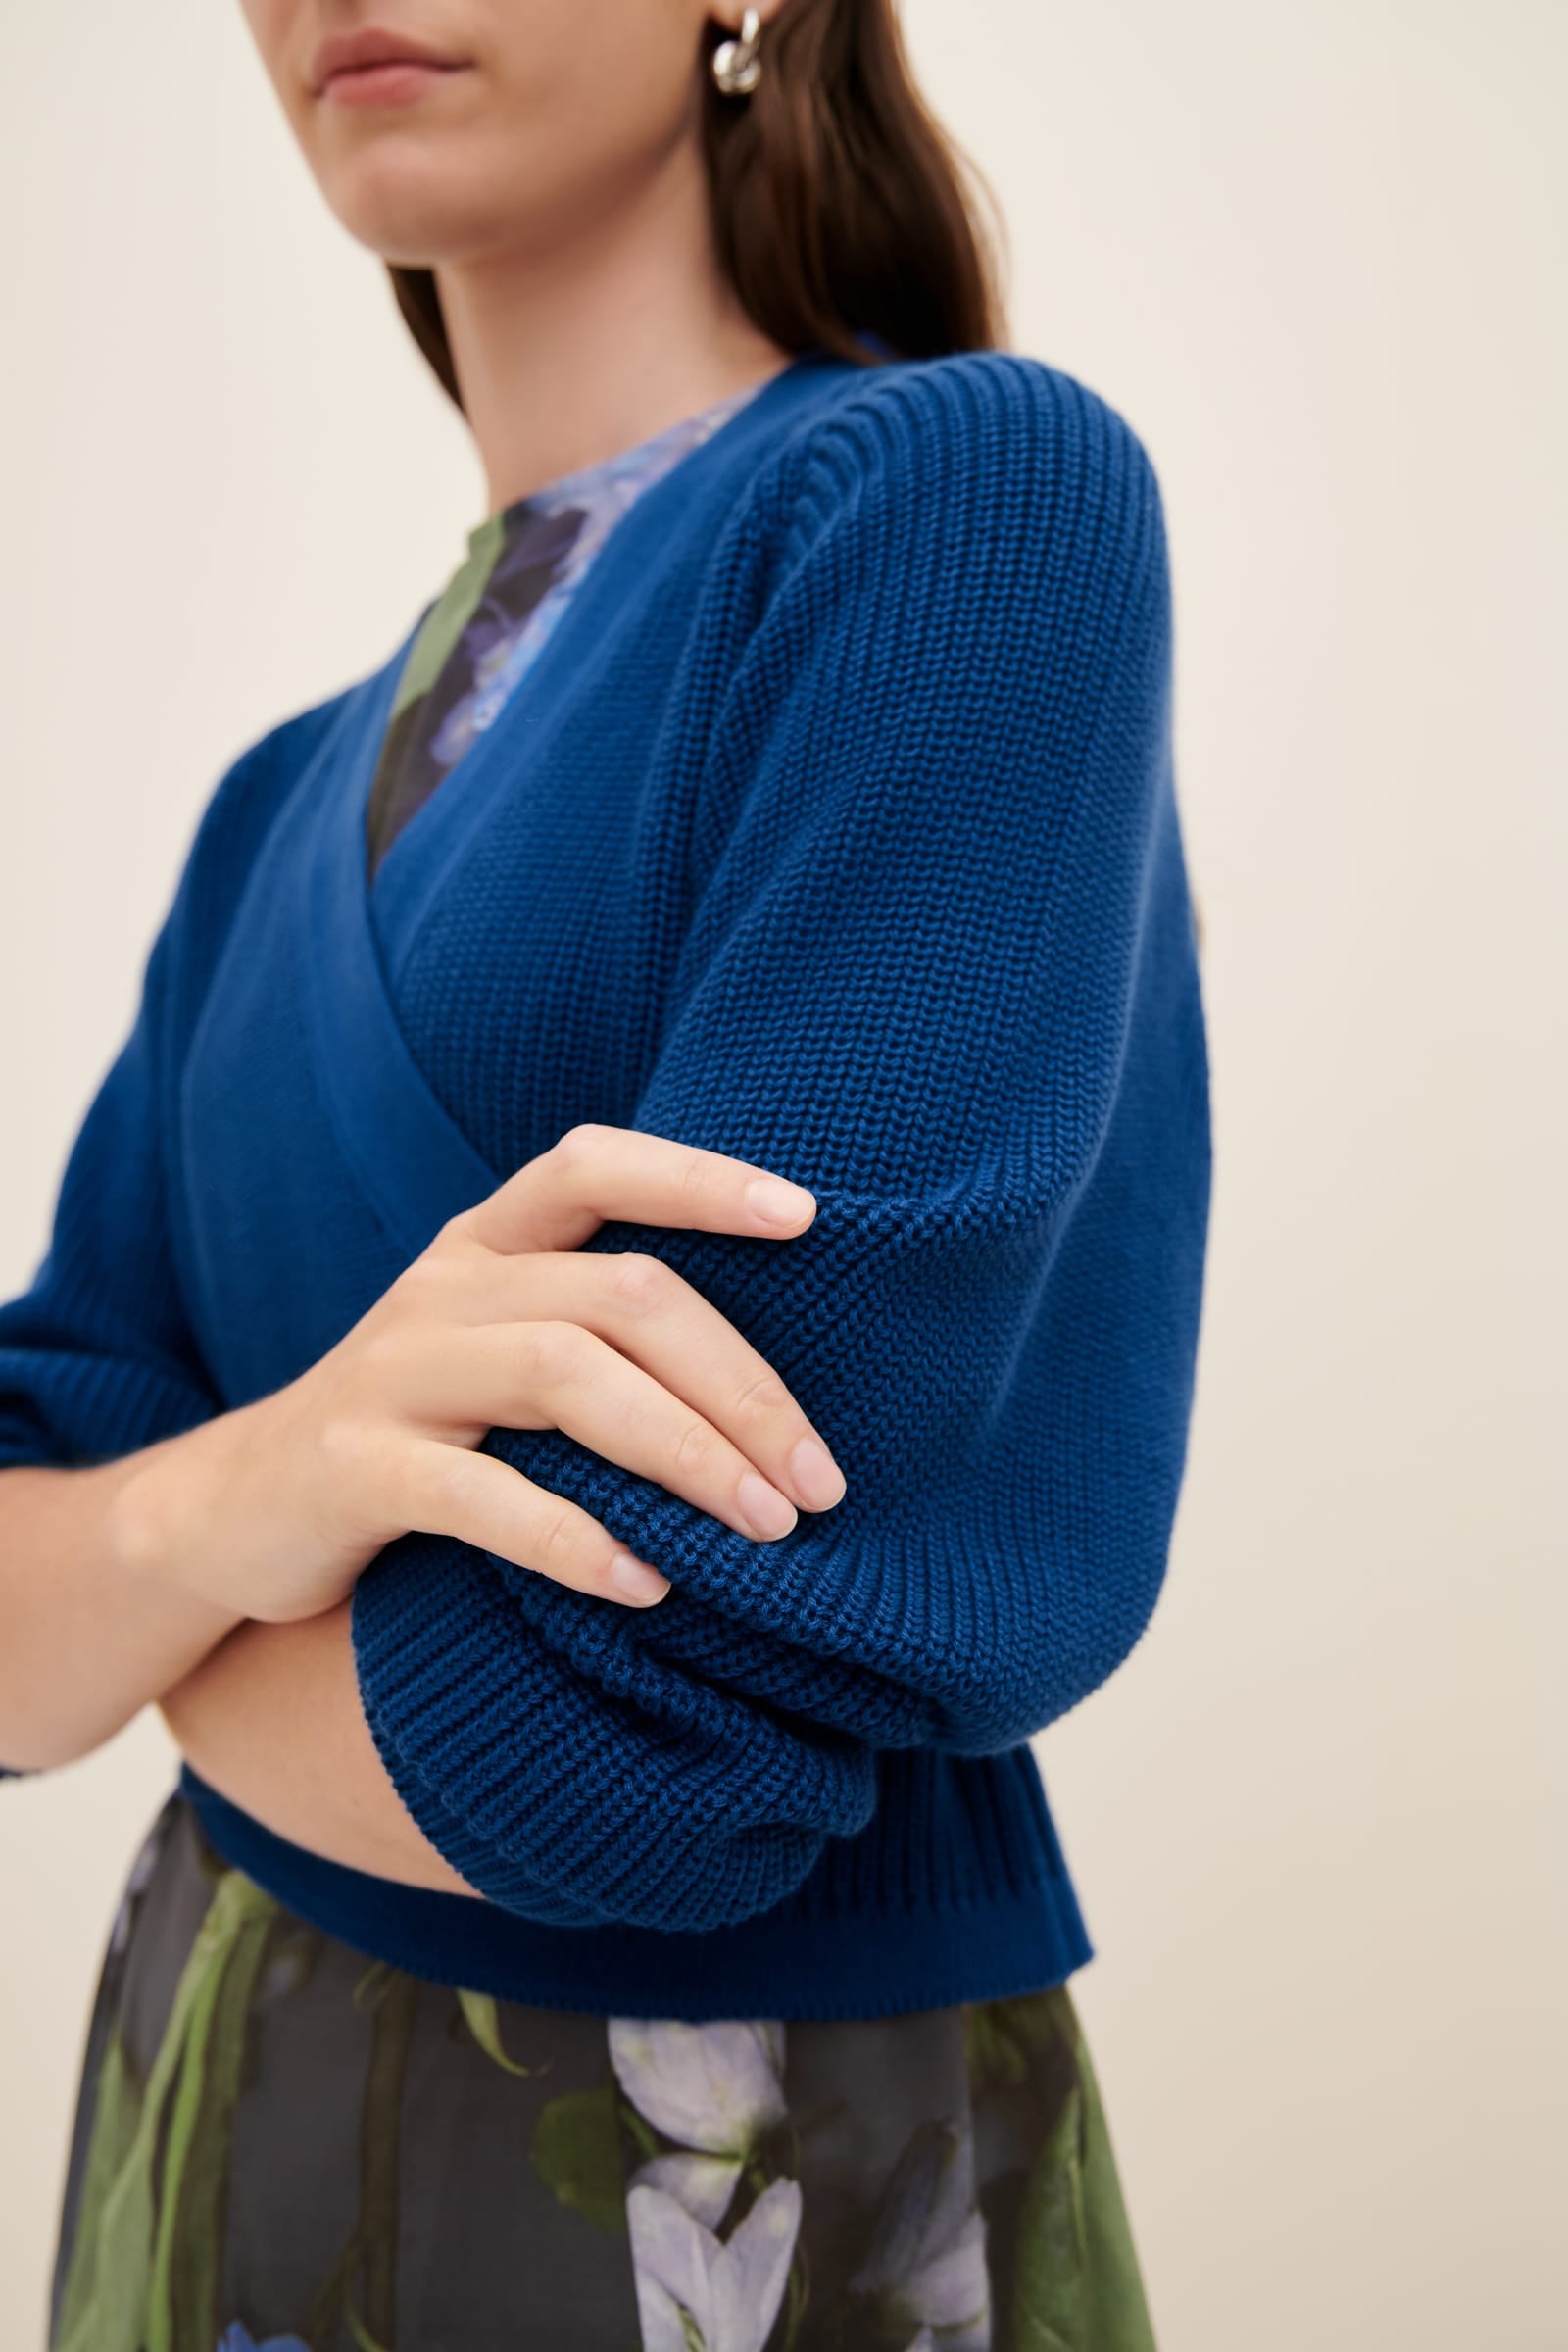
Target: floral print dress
x: 284, y: 2145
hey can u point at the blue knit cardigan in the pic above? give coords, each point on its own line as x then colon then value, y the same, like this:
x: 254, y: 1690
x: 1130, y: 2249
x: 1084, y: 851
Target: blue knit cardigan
x: 835, y: 828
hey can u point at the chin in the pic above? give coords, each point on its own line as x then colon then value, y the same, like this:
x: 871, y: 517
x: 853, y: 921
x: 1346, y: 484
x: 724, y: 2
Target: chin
x: 399, y: 227
x: 420, y: 200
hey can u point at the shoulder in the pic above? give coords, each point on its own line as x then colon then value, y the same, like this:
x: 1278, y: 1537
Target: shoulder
x: 967, y: 509
x: 1010, y: 473
x: 976, y: 428
x: 251, y: 789
x: 229, y: 830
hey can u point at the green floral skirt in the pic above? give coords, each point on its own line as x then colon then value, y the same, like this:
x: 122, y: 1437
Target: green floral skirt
x: 282, y: 2143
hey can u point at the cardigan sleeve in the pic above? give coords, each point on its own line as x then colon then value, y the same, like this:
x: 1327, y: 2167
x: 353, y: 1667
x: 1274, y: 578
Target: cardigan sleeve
x: 98, y: 1355
x: 941, y: 969
x: 97, y: 1358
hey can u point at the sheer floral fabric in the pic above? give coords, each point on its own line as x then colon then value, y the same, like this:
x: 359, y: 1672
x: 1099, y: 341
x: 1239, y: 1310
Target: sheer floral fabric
x: 281, y: 2146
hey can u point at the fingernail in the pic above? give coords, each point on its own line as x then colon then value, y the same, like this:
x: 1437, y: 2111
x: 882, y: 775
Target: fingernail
x: 636, y: 1582
x: 779, y: 1202
x: 769, y: 1512
x: 818, y: 1480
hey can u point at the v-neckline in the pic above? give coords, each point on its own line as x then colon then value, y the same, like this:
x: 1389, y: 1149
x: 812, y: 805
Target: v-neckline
x: 413, y: 1161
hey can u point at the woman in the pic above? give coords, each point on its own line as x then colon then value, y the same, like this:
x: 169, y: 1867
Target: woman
x: 620, y: 1332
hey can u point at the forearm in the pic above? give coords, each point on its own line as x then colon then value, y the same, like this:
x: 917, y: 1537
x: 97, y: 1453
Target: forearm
x: 91, y: 1627
x: 272, y: 1720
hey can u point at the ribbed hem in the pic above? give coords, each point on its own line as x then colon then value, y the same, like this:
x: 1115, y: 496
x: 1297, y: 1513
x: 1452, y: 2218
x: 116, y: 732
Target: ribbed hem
x: 828, y: 1952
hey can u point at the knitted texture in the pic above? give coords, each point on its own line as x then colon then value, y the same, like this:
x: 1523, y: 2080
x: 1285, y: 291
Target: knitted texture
x: 937, y: 966
x: 893, y: 904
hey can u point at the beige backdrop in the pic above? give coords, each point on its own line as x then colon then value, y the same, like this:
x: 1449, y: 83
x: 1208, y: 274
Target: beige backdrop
x: 1314, y: 254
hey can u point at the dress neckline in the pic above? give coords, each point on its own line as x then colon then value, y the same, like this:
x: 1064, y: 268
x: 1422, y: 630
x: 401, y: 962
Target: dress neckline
x: 564, y: 488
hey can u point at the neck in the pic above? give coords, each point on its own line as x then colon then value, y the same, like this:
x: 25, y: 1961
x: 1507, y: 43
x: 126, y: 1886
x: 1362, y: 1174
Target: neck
x: 598, y: 335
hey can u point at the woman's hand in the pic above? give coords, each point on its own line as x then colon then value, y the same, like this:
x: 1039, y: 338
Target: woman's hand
x: 272, y: 1511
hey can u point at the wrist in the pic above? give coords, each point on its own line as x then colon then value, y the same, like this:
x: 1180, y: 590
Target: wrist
x: 164, y: 1521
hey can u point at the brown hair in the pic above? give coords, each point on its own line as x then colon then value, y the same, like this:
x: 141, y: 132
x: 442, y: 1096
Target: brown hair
x: 840, y: 207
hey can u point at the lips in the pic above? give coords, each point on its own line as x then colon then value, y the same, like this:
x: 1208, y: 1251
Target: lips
x: 363, y: 51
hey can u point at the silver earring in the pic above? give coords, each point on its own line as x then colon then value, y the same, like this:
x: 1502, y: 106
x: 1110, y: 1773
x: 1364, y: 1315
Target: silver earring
x: 737, y: 69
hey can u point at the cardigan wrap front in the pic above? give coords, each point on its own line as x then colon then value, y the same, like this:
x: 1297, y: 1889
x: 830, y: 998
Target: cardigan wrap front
x: 835, y: 828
